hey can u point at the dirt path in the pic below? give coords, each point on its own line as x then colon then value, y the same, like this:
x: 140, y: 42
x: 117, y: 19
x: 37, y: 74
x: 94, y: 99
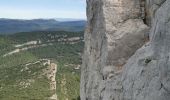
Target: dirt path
x: 51, y: 75
x: 49, y: 72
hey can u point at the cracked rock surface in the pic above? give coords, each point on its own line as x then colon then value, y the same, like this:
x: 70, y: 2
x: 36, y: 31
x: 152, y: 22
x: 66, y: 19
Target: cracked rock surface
x: 127, y: 49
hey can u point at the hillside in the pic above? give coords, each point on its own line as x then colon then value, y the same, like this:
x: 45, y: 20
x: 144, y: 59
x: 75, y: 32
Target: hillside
x: 40, y: 65
x: 10, y: 26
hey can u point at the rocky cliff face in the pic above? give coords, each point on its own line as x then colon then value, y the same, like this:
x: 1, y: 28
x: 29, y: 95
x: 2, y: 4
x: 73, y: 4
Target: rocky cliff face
x: 127, y: 48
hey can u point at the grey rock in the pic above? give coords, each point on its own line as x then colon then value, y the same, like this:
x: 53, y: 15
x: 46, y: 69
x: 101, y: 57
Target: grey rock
x: 151, y: 7
x: 114, y: 68
x: 151, y: 81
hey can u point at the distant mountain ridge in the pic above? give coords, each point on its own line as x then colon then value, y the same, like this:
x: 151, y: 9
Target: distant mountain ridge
x: 10, y: 26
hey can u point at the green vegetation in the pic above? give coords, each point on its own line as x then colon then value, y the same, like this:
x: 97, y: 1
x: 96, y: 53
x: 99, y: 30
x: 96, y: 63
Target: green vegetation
x: 43, y: 36
x: 147, y: 60
x: 21, y: 82
x: 11, y: 77
x: 5, y: 44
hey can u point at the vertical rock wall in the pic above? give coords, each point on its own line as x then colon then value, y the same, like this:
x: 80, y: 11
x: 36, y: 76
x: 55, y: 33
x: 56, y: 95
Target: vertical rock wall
x: 147, y: 73
x: 115, y: 30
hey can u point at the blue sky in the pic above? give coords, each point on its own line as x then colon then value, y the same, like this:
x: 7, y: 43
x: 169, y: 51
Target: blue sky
x: 32, y: 9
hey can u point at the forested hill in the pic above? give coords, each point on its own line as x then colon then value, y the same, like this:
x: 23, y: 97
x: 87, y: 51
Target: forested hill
x: 40, y: 65
x: 10, y: 26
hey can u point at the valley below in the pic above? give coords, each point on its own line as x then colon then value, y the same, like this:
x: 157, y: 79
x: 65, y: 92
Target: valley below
x: 40, y: 65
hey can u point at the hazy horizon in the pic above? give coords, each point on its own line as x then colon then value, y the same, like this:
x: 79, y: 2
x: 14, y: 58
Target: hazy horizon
x: 43, y: 9
x: 44, y: 18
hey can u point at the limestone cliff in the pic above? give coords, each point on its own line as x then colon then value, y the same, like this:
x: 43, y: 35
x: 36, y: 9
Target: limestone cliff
x: 114, y: 68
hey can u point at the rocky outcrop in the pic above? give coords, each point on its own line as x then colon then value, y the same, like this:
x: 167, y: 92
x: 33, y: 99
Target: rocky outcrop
x: 50, y: 72
x: 116, y: 29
